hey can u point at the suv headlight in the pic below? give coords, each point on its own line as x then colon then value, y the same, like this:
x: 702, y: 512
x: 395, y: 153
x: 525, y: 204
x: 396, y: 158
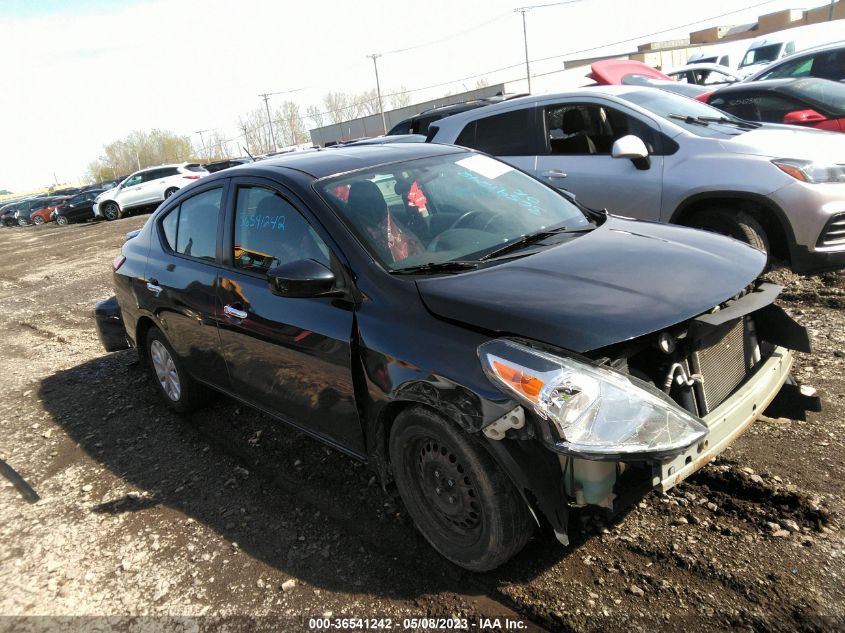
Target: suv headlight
x: 809, y: 171
x: 598, y: 412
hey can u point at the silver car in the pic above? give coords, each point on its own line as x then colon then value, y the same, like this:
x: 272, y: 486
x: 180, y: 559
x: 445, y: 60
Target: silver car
x: 654, y: 155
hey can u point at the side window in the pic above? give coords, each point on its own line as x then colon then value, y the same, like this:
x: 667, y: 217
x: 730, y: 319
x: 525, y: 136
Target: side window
x: 795, y: 68
x: 191, y: 228
x: 506, y: 134
x: 591, y: 129
x: 269, y: 232
x: 757, y: 106
x: 134, y: 180
x: 830, y: 65
x: 167, y: 171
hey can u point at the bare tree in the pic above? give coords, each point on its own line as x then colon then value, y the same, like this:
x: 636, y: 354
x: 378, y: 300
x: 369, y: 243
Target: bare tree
x: 337, y: 106
x: 256, y: 131
x: 313, y: 113
x: 288, y: 122
x: 481, y: 83
x: 400, y: 98
x: 138, y: 150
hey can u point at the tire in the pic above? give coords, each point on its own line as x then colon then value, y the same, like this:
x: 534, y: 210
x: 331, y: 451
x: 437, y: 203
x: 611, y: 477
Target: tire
x: 460, y: 500
x: 111, y: 211
x: 170, y: 192
x: 181, y: 392
x: 37, y: 220
x: 734, y: 223
x: 62, y: 220
x: 23, y: 222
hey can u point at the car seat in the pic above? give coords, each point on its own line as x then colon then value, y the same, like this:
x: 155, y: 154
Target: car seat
x: 577, y: 141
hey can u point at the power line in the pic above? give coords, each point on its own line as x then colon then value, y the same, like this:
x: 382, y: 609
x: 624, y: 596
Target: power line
x: 452, y: 35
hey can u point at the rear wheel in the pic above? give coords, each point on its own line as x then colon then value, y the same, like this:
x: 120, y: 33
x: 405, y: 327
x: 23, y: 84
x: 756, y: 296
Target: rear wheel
x: 38, y: 220
x: 23, y: 222
x: 181, y: 392
x: 734, y: 223
x: 170, y: 192
x: 111, y: 211
x: 62, y: 220
x: 459, y: 498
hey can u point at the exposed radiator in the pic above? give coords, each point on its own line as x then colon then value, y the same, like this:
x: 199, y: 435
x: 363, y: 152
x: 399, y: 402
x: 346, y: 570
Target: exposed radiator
x: 723, y: 365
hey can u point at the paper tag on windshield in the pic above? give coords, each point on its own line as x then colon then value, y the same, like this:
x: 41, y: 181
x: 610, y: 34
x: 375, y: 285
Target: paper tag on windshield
x: 484, y: 166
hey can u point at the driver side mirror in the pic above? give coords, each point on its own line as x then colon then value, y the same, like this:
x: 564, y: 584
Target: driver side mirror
x: 803, y: 117
x: 301, y: 279
x: 632, y: 148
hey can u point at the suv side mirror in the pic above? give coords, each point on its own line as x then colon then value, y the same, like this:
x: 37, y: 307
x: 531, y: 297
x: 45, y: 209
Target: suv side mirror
x: 803, y: 117
x: 302, y: 278
x: 632, y: 148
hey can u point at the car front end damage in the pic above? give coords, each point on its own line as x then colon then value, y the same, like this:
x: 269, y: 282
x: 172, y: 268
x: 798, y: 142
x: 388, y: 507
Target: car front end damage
x: 642, y: 415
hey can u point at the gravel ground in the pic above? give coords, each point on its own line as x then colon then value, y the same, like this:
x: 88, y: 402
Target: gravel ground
x: 238, y: 522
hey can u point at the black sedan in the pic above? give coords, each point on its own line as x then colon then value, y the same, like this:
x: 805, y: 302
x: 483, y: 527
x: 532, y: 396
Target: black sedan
x: 78, y: 208
x: 807, y: 101
x: 496, y: 351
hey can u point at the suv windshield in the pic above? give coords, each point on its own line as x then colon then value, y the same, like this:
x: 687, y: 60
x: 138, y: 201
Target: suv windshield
x: 761, y: 55
x: 694, y: 116
x: 441, y: 209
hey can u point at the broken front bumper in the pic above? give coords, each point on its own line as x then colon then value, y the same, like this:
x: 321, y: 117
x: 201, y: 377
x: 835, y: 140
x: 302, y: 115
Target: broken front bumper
x: 729, y: 420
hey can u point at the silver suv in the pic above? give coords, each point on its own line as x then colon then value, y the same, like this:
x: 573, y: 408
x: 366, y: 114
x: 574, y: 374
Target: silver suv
x: 654, y: 155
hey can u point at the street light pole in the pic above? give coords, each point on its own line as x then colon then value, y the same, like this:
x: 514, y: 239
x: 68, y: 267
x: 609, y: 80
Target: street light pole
x: 266, y: 97
x: 202, y: 140
x: 830, y: 11
x: 523, y: 11
x: 374, y: 57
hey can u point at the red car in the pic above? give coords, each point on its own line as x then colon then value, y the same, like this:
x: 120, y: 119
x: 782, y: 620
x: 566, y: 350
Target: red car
x: 42, y: 215
x: 805, y: 101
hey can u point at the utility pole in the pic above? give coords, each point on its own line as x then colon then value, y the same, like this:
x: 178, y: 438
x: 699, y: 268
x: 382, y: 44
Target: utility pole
x: 523, y: 11
x: 374, y: 57
x: 202, y: 140
x: 266, y: 97
x: 830, y: 11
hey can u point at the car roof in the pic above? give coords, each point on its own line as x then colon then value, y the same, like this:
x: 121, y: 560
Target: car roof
x: 322, y: 162
x: 807, y: 52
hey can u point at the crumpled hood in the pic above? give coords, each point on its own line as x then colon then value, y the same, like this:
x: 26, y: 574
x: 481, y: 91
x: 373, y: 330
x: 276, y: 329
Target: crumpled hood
x: 789, y: 141
x: 620, y: 281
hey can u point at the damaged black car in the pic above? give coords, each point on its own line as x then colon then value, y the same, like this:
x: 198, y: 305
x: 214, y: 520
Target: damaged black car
x: 492, y: 349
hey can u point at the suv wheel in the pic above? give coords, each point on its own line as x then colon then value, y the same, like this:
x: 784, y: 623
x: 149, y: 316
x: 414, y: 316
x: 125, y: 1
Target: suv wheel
x: 170, y: 192
x: 62, y: 220
x: 111, y: 211
x: 459, y: 499
x: 734, y: 223
x: 181, y: 392
x: 23, y: 222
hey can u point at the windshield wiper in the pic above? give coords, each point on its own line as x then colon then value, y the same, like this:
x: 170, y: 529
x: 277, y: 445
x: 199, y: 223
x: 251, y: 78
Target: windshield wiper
x: 704, y: 120
x: 737, y: 122
x: 436, y: 267
x: 525, y: 240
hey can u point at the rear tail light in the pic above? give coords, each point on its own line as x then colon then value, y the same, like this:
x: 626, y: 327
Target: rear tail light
x: 117, y: 262
x: 191, y: 177
x: 704, y: 96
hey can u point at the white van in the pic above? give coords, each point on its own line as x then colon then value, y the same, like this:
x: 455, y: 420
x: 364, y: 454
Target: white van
x: 768, y: 48
x: 728, y: 54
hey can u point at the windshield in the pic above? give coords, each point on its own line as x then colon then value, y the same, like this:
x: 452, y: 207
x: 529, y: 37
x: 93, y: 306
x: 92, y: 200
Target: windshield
x: 762, y: 55
x: 445, y: 208
x: 664, y: 104
x: 828, y: 95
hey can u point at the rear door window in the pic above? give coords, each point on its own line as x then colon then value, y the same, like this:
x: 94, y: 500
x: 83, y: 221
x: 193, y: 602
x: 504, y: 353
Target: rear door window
x: 507, y: 134
x: 190, y: 229
x: 757, y: 106
x: 591, y: 129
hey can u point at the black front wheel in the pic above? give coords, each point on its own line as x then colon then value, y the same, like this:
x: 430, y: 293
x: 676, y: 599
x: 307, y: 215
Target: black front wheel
x: 458, y: 497
x: 62, y: 220
x: 735, y: 223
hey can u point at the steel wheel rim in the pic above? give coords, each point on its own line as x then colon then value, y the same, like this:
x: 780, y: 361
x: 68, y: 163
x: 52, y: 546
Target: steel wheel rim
x: 456, y: 508
x: 165, y: 369
x: 110, y: 212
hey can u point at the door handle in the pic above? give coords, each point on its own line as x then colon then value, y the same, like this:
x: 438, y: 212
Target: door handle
x: 234, y: 312
x: 554, y: 174
x: 152, y: 286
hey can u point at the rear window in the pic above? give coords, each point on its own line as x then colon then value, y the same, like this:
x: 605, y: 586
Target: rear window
x: 829, y: 95
x: 191, y: 228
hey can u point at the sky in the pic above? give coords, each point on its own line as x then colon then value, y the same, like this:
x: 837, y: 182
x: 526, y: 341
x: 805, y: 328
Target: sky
x: 79, y: 74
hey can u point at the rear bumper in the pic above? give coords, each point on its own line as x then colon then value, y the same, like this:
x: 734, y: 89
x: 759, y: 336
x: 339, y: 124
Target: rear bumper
x: 110, y: 327
x: 729, y: 420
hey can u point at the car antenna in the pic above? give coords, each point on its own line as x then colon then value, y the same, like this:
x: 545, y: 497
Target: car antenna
x: 247, y: 153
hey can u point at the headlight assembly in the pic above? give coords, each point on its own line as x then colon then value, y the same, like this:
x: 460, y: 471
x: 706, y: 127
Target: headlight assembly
x: 814, y: 173
x: 598, y: 412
